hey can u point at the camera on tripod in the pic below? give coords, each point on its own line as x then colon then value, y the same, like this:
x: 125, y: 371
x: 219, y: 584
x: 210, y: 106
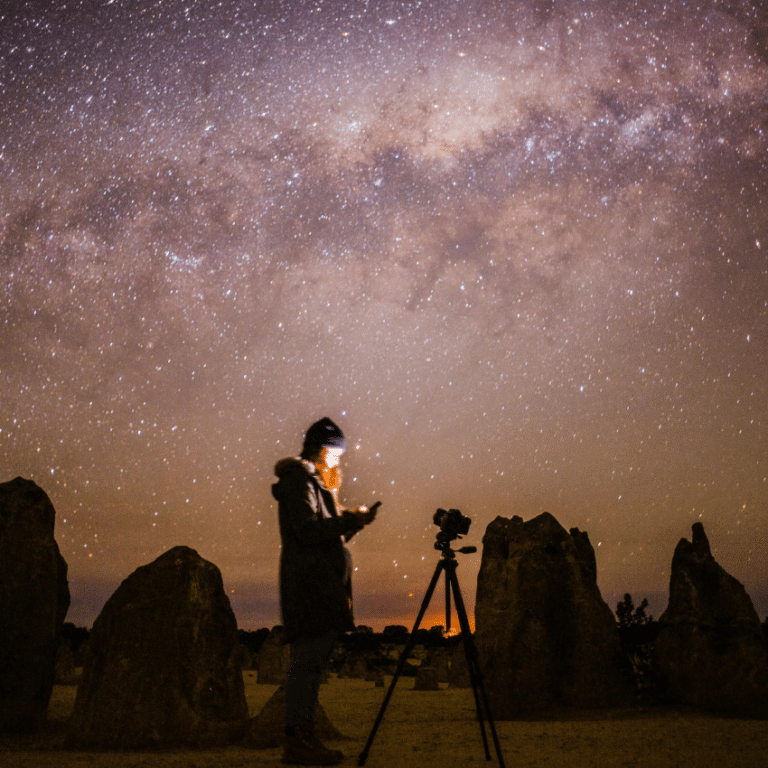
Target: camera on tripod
x: 452, y: 525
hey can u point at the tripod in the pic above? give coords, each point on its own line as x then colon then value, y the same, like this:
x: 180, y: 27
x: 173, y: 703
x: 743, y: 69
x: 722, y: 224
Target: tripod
x: 447, y: 564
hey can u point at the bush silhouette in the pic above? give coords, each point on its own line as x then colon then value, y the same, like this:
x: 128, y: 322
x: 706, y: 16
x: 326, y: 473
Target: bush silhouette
x: 638, y: 632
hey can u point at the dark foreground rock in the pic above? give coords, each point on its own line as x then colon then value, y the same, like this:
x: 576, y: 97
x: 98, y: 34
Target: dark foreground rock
x: 163, y: 665
x: 34, y: 599
x: 711, y: 651
x: 544, y: 635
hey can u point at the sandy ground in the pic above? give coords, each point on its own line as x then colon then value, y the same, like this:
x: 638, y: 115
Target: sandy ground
x: 439, y: 728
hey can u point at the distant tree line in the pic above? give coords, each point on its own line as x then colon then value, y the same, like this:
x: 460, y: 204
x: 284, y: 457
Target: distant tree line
x: 74, y: 636
x: 362, y: 639
x: 365, y: 639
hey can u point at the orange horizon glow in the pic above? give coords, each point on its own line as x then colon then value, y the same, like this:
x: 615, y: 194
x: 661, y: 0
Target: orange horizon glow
x: 431, y: 619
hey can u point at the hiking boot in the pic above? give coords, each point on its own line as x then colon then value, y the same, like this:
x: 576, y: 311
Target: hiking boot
x: 301, y: 747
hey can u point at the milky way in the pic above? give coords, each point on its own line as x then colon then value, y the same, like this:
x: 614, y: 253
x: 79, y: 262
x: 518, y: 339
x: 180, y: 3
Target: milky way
x: 517, y: 250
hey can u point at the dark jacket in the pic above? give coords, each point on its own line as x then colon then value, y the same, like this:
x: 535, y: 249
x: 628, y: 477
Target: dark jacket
x: 315, y: 585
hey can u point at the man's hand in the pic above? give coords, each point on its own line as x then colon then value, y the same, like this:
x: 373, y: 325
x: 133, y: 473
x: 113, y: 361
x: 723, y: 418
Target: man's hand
x: 365, y: 516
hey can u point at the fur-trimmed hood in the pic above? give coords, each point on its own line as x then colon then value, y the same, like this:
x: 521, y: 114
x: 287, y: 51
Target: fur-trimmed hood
x: 288, y: 466
x: 292, y: 464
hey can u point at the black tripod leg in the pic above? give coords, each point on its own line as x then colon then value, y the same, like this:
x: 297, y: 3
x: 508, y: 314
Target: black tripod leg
x: 447, y: 603
x: 476, y: 676
x: 470, y: 654
x: 401, y: 664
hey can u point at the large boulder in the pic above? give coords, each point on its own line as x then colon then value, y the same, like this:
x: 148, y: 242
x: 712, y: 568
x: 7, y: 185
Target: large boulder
x: 34, y: 599
x: 163, y: 663
x: 711, y: 650
x: 544, y: 635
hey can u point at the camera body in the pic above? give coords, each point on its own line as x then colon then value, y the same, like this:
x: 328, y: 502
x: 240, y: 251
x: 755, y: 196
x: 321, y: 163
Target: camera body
x: 452, y: 524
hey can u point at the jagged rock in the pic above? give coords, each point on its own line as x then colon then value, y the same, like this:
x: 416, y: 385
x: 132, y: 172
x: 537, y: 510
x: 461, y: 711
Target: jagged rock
x: 163, y: 665
x: 273, y: 658
x: 34, y: 599
x: 426, y: 679
x: 711, y: 648
x: 265, y: 731
x: 544, y: 635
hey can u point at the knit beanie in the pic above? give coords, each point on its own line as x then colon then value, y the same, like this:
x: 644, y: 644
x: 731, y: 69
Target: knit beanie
x: 322, y: 434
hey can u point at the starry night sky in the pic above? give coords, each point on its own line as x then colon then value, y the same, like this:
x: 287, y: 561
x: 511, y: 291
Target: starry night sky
x: 516, y: 250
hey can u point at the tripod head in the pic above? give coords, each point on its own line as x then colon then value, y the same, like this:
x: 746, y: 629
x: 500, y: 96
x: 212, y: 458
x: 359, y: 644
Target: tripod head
x: 453, y: 525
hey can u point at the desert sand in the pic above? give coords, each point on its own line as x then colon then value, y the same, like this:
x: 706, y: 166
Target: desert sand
x: 438, y: 728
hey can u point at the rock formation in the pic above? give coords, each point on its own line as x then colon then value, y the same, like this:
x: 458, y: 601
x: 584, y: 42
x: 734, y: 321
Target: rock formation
x: 426, y: 679
x: 358, y: 666
x: 163, y: 666
x: 440, y: 660
x: 34, y: 598
x: 375, y: 676
x: 458, y: 673
x: 544, y: 635
x: 711, y: 648
x: 273, y: 658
